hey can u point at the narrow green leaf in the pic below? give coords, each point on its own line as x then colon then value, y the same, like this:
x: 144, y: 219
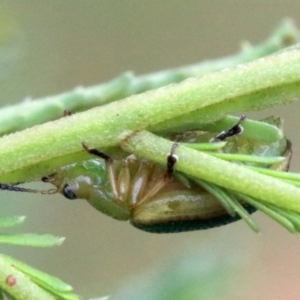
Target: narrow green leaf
x: 204, y: 146
x: 38, y: 276
x: 11, y: 221
x: 229, y: 202
x: 242, y: 212
x: 275, y: 215
x: 23, y: 287
x: 34, y: 240
x: 268, y: 160
x: 277, y: 174
x: 289, y: 215
x: 217, y: 192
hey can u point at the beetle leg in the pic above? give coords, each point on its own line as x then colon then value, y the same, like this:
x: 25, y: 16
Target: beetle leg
x: 50, y: 178
x: 108, y: 162
x: 158, y: 181
x: 236, y: 129
x: 95, y: 152
x: 67, y: 113
x: 171, y: 160
x: 109, y: 168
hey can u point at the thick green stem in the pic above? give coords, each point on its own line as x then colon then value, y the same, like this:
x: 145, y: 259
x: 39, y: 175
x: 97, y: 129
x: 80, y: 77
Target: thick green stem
x: 29, y: 113
x: 264, y: 83
x: 225, y: 174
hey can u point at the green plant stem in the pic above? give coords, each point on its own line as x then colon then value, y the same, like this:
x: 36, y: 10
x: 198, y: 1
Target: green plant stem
x: 29, y: 113
x: 260, y: 84
x: 222, y: 173
x: 24, y: 289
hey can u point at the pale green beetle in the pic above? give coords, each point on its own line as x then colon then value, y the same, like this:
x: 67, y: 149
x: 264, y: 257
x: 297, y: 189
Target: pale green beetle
x: 149, y: 195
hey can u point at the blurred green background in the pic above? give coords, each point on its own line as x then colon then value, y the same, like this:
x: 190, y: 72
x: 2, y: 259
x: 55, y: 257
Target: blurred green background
x: 49, y: 47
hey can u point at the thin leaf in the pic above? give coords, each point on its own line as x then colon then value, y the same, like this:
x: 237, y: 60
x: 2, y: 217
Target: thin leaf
x: 30, y: 239
x: 53, y: 282
x: 275, y: 215
x: 11, y: 221
x: 268, y: 160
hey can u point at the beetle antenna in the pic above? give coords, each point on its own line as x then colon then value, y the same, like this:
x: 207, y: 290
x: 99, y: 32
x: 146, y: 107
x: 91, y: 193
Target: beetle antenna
x: 236, y: 129
x: 13, y: 188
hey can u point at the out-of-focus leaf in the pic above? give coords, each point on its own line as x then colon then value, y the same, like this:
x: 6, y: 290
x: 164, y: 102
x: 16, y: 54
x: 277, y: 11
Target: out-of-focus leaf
x: 11, y: 221
x: 31, y: 239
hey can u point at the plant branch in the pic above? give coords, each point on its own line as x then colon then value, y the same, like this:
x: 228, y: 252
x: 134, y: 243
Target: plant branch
x: 260, y: 84
x: 222, y: 173
x: 29, y: 113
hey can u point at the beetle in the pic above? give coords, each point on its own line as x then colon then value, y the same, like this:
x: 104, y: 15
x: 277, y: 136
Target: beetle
x: 153, y: 198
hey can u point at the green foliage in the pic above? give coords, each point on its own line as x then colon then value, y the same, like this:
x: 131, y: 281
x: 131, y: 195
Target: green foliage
x: 21, y: 281
x: 127, y: 124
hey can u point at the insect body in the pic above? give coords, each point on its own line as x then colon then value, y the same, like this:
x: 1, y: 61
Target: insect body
x: 144, y: 196
x: 152, y: 199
